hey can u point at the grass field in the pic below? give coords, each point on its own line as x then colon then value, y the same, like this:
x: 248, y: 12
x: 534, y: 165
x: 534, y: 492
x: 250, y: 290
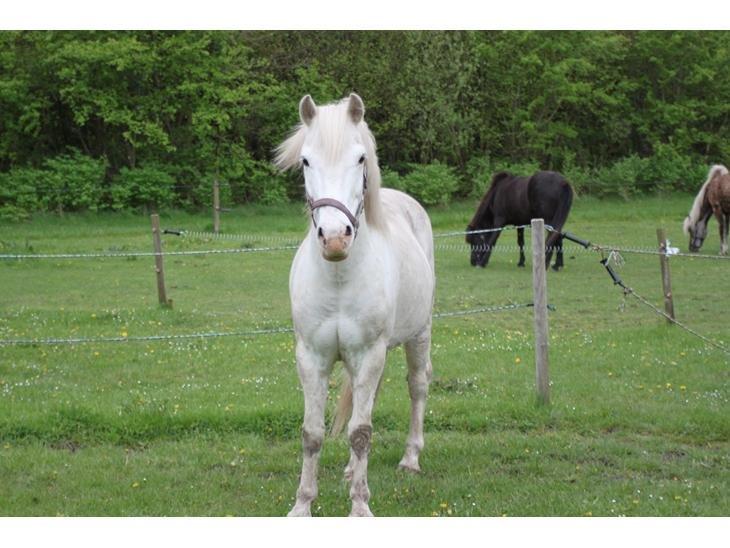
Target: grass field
x: 638, y: 423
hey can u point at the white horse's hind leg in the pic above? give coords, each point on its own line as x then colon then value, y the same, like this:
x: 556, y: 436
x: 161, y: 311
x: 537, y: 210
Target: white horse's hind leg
x: 365, y: 380
x: 418, y: 357
x: 313, y: 375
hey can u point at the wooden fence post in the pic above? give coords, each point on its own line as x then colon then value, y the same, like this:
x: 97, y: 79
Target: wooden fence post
x: 661, y: 237
x: 159, y: 270
x: 539, y: 292
x: 216, y: 206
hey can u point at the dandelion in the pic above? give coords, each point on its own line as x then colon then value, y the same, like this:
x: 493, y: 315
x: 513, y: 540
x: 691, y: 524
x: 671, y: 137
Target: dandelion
x: 443, y: 505
x: 518, y: 360
x: 135, y: 485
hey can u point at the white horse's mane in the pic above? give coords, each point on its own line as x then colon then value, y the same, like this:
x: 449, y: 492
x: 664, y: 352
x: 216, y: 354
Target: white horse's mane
x: 330, y: 124
x: 694, y: 213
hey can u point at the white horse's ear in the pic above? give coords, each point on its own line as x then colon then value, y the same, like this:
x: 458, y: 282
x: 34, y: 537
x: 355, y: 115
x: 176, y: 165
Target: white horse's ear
x: 307, y: 109
x: 355, y: 108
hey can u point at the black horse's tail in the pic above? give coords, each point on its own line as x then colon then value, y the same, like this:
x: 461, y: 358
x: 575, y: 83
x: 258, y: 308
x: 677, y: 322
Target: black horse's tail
x: 563, y: 208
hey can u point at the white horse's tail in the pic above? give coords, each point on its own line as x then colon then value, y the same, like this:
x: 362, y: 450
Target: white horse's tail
x: 343, y: 411
x: 694, y: 213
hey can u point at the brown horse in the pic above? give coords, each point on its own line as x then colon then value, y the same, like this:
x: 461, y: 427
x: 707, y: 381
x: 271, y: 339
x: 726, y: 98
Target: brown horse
x: 513, y: 200
x: 713, y: 197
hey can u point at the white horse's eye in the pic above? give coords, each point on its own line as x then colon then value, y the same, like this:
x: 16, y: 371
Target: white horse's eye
x: 305, y: 162
x: 361, y: 160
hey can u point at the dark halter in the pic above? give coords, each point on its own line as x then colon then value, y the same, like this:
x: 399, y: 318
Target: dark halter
x: 331, y: 202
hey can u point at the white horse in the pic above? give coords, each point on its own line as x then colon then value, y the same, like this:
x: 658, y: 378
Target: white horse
x: 362, y: 282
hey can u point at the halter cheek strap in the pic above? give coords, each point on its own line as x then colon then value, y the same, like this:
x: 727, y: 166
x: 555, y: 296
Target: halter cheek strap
x: 331, y: 202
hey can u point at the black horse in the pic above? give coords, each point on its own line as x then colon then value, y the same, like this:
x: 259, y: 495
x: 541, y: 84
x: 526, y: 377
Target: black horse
x: 513, y: 200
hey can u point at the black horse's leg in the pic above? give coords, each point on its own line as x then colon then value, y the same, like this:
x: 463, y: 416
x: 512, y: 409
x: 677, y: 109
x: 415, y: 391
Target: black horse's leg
x: 489, y: 241
x: 559, y: 257
x: 521, y: 245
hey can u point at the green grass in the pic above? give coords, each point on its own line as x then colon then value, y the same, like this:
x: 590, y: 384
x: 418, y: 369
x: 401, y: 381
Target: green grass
x: 638, y: 423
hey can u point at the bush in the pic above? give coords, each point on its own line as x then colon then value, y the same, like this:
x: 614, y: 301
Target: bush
x: 431, y: 184
x: 18, y: 195
x: 68, y: 182
x: 481, y: 169
x: 73, y: 182
x: 668, y: 169
x: 266, y: 185
x: 392, y: 179
x: 623, y: 178
x: 149, y: 186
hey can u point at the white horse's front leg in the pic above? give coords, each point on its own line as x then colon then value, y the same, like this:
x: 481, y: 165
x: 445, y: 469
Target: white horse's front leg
x: 365, y: 379
x: 313, y: 374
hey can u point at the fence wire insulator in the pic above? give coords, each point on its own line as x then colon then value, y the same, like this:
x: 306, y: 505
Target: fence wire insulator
x: 573, y: 238
x: 611, y: 272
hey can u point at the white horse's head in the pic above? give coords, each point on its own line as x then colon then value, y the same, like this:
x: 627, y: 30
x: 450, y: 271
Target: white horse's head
x: 336, y: 152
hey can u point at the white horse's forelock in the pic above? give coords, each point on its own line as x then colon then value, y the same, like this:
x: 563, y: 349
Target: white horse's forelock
x: 330, y: 124
x: 694, y: 213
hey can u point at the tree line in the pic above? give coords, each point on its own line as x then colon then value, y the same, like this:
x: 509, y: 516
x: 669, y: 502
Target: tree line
x: 114, y: 119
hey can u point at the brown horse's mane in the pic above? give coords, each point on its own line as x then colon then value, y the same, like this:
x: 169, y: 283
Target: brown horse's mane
x: 488, y: 198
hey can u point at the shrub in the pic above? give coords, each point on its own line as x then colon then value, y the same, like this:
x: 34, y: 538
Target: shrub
x: 668, y: 169
x: 431, y: 184
x: 68, y: 182
x: 265, y: 184
x: 580, y: 178
x: 149, y: 186
x: 392, y: 179
x: 18, y: 195
x: 479, y: 171
x: 72, y: 181
x: 623, y: 178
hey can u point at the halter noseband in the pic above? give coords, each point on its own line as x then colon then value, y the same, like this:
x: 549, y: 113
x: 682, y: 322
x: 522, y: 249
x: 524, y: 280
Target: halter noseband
x: 331, y: 202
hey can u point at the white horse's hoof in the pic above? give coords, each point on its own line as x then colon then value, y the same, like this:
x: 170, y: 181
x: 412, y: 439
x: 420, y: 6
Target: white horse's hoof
x: 409, y: 462
x: 410, y: 467
x: 300, y: 512
x: 361, y: 512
